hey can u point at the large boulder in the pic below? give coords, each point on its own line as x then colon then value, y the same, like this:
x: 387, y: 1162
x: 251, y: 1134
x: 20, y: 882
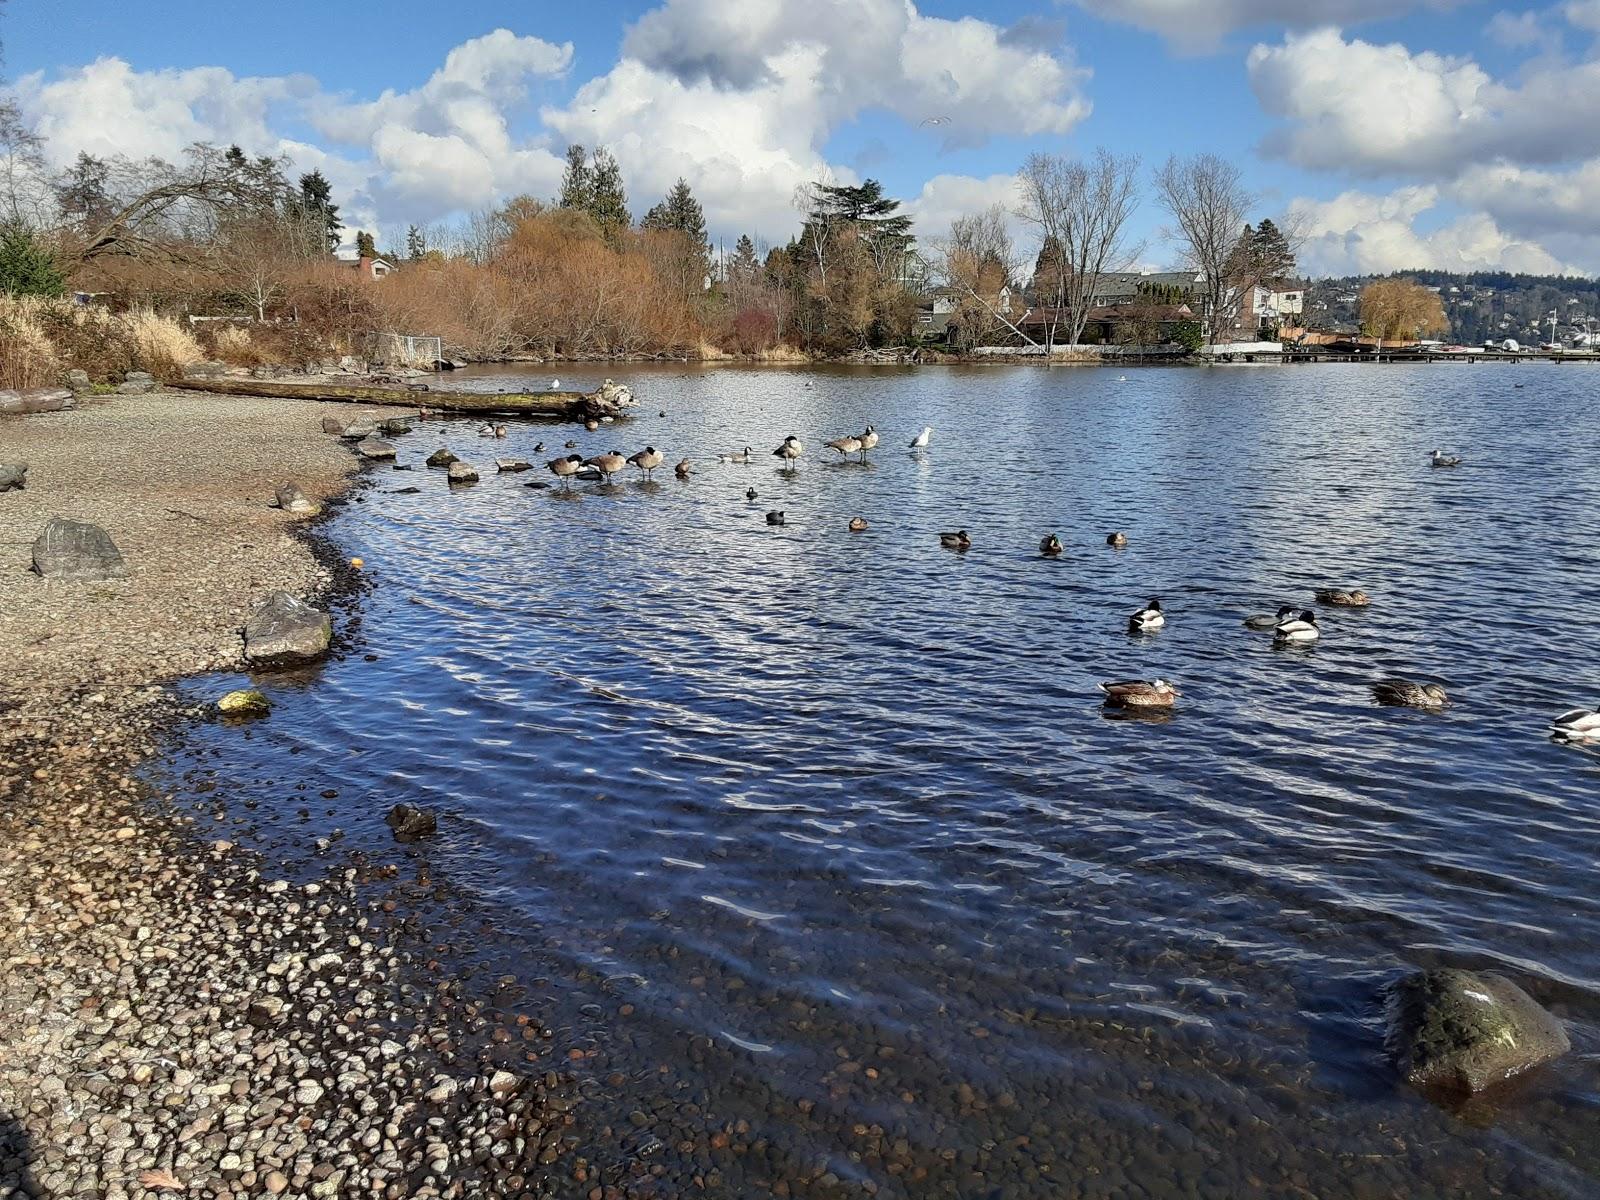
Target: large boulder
x: 375, y: 448
x: 441, y: 458
x: 36, y: 400
x: 78, y: 380
x: 77, y: 552
x: 295, y: 502
x: 1460, y: 1032
x: 284, y: 629
x: 12, y: 475
x: 332, y: 425
x: 359, y: 430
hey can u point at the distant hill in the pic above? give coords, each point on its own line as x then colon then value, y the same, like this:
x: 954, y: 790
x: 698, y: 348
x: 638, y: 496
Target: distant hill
x: 1481, y: 304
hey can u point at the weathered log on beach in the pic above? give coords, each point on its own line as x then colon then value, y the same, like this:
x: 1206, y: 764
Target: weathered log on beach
x: 576, y: 406
x: 35, y: 400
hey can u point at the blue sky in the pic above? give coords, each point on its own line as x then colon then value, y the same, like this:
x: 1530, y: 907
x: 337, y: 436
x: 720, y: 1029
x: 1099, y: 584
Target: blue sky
x: 1393, y: 135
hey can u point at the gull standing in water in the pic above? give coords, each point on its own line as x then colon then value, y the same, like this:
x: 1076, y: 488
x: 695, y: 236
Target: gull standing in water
x: 920, y: 442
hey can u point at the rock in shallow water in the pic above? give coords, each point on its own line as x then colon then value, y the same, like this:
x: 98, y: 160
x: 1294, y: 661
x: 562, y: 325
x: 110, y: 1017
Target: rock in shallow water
x: 77, y: 552
x: 285, y: 629
x: 1461, y: 1032
x: 376, y: 447
x: 441, y: 458
x: 410, y: 823
x: 244, y: 702
x: 462, y: 472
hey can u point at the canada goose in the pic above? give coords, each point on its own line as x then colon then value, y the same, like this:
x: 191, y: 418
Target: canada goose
x: 920, y: 442
x: 955, y: 541
x: 565, y: 468
x: 1116, y: 540
x: 591, y: 424
x: 683, y: 470
x: 1139, y: 693
x: 1576, y: 725
x: 1297, y: 629
x: 868, y: 439
x: 1412, y: 695
x: 844, y: 445
x: 1148, y: 619
x: 1050, y: 545
x: 1340, y: 598
x: 750, y: 495
x: 1265, y: 621
x: 791, y: 449
x: 857, y: 524
x: 647, y: 460
x: 775, y: 517
x: 1441, y: 459
x: 607, y: 464
x: 744, y: 456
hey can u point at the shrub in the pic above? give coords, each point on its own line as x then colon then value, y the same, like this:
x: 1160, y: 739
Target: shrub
x: 88, y: 338
x: 164, y: 347
x: 27, y: 359
x: 233, y: 344
x: 754, y: 331
x: 27, y: 268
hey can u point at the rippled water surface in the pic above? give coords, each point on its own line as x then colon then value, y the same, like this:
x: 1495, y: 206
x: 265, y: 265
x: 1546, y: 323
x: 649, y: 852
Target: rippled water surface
x: 870, y: 893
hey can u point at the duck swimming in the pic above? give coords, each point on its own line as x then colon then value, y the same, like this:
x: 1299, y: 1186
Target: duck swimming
x: 857, y: 524
x: 1139, y: 693
x: 1050, y: 545
x: 1576, y: 725
x: 1339, y: 598
x: 1297, y: 629
x: 1265, y: 621
x: 1116, y: 540
x: 1406, y: 693
x: 775, y: 517
x: 1148, y: 619
x: 955, y: 541
x: 750, y: 495
x: 684, y: 469
x: 743, y: 456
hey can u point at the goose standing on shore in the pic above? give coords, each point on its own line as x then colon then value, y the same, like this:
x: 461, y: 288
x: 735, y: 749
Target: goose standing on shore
x: 647, y: 460
x: 565, y: 468
x: 846, y: 446
x: 1148, y: 619
x: 868, y: 439
x: 1298, y: 630
x: 791, y: 449
x: 920, y: 442
x: 1139, y: 693
x: 607, y: 464
x: 1576, y: 725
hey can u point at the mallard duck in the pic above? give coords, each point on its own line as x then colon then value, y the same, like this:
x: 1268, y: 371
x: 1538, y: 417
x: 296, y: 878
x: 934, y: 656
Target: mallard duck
x: 1441, y: 459
x: 1266, y: 621
x: 591, y: 424
x: 844, y: 445
x: 1297, y: 629
x: 743, y: 456
x: 920, y: 442
x: 775, y: 517
x: 857, y: 524
x: 1576, y: 725
x: 607, y: 464
x: 684, y: 469
x: 565, y: 468
x: 955, y: 541
x: 1050, y: 545
x: 1405, y: 692
x: 750, y: 495
x: 868, y: 439
x: 1116, y: 540
x: 1139, y: 693
x: 1339, y: 598
x: 647, y: 460
x: 500, y: 431
x: 1148, y: 619
x: 791, y: 449
x: 486, y: 431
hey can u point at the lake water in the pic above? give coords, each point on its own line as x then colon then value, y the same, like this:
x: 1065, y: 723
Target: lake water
x: 825, y: 844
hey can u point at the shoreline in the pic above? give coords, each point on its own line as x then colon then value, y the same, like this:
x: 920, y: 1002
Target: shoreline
x: 181, y: 1018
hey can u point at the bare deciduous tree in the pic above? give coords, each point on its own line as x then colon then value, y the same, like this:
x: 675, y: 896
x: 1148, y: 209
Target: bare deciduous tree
x: 1080, y: 210
x: 978, y: 260
x: 1204, y: 195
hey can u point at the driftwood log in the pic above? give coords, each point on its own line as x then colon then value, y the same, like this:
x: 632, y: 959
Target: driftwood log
x: 572, y: 406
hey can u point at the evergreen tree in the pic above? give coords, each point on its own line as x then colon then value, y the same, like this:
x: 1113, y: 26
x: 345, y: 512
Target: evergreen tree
x: 608, y: 203
x: 864, y: 206
x: 81, y: 191
x: 680, y: 211
x: 576, y: 185
x: 745, y: 266
x: 26, y: 267
x: 416, y: 244
x: 366, y: 245
x: 1272, y: 256
x: 315, y: 203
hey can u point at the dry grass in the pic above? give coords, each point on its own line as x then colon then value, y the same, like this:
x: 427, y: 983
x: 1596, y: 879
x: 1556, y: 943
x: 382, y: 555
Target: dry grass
x: 234, y: 345
x: 782, y: 354
x: 27, y: 357
x: 164, y: 346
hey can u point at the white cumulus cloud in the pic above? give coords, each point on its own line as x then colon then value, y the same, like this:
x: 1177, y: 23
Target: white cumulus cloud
x: 1201, y: 24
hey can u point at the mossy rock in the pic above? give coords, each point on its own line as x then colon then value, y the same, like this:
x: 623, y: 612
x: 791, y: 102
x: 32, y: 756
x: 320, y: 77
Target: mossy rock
x: 1462, y: 1032
x: 244, y: 702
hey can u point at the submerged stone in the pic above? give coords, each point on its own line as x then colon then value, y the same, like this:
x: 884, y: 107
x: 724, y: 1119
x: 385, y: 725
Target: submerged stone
x: 410, y: 822
x: 441, y: 458
x: 1463, y: 1031
x: 376, y: 447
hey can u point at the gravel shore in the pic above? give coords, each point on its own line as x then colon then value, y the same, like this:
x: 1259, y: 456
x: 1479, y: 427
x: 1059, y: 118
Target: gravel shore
x: 177, y: 1021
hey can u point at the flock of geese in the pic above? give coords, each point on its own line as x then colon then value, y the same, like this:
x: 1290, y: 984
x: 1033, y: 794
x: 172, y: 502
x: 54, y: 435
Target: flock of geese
x: 1289, y: 626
